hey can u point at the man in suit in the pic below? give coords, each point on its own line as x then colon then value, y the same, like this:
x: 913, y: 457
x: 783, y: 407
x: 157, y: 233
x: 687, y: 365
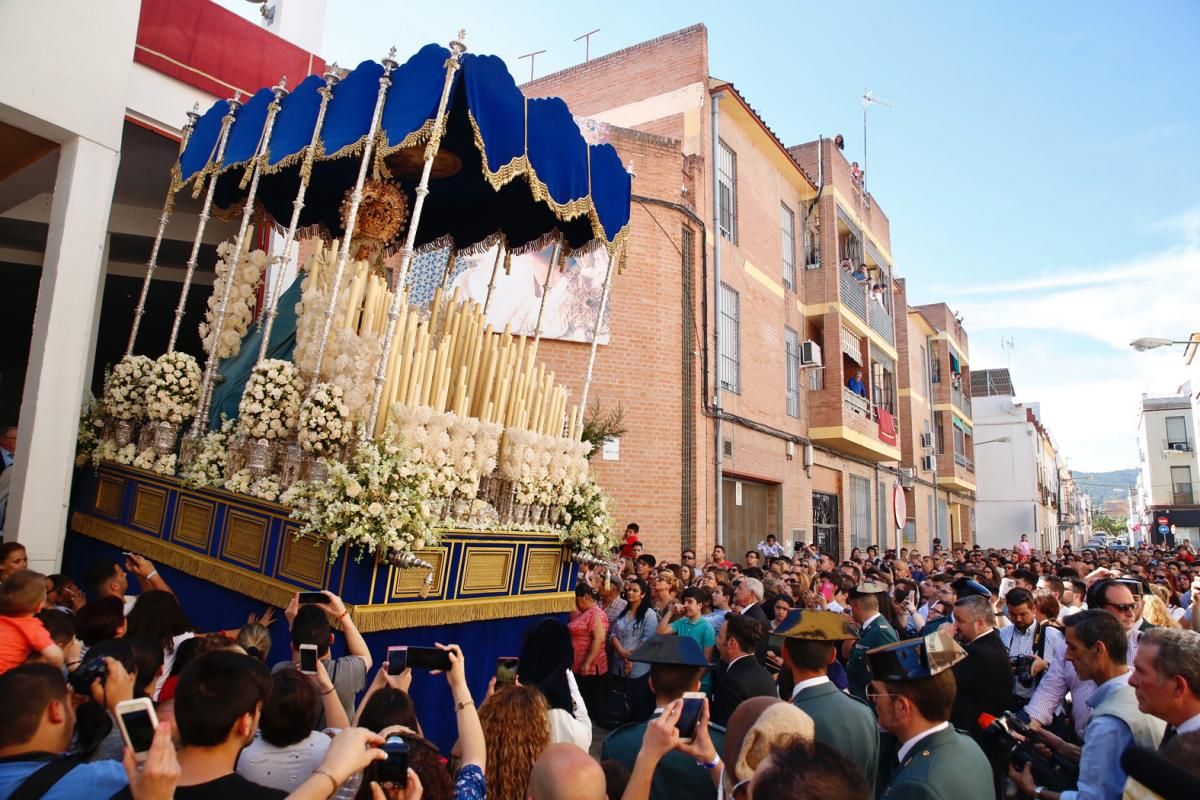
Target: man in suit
x: 676, y: 666
x: 984, y: 677
x: 740, y: 675
x: 1166, y: 678
x: 747, y: 599
x: 845, y: 723
x: 875, y: 632
x: 913, y: 691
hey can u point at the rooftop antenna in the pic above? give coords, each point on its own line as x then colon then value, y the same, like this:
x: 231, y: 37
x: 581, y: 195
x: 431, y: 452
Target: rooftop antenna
x: 532, y: 56
x: 587, y: 43
x: 869, y: 99
x: 1007, y: 345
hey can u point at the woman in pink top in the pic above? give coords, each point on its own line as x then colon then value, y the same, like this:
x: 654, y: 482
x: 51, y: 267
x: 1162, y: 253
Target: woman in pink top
x: 588, y: 626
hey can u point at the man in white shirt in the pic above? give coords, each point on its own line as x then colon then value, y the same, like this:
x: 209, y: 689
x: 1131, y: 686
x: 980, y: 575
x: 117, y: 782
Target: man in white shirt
x: 770, y: 548
x: 1166, y: 678
x: 1026, y: 638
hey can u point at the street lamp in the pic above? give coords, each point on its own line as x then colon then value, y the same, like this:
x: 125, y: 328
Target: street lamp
x: 994, y: 441
x: 1151, y: 342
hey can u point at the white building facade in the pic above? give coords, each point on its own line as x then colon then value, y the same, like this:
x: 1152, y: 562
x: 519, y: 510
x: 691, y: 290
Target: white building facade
x: 1168, y: 494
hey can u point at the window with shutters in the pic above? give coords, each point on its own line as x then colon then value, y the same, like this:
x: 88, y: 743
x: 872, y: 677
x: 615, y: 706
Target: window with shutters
x: 731, y: 345
x: 727, y: 192
x: 860, y: 512
x: 792, y: 355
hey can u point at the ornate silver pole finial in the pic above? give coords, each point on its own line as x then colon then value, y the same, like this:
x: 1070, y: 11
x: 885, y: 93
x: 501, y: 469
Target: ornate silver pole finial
x: 389, y: 61
x: 333, y: 74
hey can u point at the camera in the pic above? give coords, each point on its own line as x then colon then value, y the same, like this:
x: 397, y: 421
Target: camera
x: 1022, y: 667
x: 81, y: 680
x: 1013, y: 732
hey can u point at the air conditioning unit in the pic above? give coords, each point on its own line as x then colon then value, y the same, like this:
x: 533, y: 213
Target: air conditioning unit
x: 926, y: 441
x: 907, y: 477
x: 1182, y: 447
x: 810, y: 354
x: 927, y: 463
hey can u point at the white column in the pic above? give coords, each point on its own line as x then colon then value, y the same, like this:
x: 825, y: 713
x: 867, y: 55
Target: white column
x: 59, y: 366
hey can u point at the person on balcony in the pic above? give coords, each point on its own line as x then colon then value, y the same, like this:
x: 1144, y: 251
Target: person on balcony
x: 856, y: 385
x: 877, y: 293
x: 860, y: 273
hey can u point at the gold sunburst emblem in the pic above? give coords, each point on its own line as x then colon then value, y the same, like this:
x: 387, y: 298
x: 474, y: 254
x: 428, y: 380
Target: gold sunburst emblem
x: 382, y: 214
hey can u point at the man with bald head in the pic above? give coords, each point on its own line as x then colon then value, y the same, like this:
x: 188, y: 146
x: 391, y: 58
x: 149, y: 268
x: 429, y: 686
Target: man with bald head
x: 566, y: 772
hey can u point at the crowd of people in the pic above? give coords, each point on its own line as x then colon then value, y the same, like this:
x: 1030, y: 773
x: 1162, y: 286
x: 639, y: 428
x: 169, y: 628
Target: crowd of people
x: 788, y: 674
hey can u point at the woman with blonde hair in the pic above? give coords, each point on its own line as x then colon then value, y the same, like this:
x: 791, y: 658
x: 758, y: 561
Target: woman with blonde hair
x: 516, y: 729
x: 1155, y: 611
x: 666, y: 592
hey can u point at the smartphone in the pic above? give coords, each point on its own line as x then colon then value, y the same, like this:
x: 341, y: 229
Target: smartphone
x: 308, y: 659
x: 428, y: 658
x: 310, y: 598
x: 506, y: 671
x: 689, y: 717
x: 397, y: 660
x: 1006, y: 586
x: 394, y: 768
x: 138, y: 723
x: 797, y: 547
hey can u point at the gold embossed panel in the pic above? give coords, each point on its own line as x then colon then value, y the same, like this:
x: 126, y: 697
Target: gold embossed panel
x: 193, y: 522
x: 487, y: 569
x: 245, y: 539
x: 148, y: 506
x: 302, y: 560
x: 108, y: 495
x: 541, y: 569
x: 409, y: 582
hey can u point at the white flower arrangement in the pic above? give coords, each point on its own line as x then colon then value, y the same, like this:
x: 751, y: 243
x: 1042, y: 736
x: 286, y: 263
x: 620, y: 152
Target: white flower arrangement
x: 87, y: 440
x: 545, y: 470
x: 107, y: 450
x: 324, y: 420
x: 458, y: 450
x: 151, y: 461
x: 208, y: 467
x: 240, y: 310
x: 173, y: 388
x: 125, y: 388
x: 243, y: 481
x: 377, y: 502
x: 270, y: 405
x: 589, y: 522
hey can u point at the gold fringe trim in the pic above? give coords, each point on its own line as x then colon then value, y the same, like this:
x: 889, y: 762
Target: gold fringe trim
x: 451, y: 612
x: 383, y: 150
x: 288, y: 161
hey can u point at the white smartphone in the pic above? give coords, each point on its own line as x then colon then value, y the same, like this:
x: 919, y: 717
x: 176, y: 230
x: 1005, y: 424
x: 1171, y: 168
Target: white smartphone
x: 308, y: 659
x: 138, y: 723
x: 689, y: 716
x: 1007, y: 585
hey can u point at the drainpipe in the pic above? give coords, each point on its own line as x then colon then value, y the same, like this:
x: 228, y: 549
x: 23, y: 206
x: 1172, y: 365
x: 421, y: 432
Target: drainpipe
x: 936, y: 434
x: 716, y: 228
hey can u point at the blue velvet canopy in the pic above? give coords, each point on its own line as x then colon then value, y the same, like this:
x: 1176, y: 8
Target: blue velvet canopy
x: 493, y: 135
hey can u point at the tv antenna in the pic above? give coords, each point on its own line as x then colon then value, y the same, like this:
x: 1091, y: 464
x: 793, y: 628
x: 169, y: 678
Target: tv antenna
x: 869, y: 99
x: 587, y: 43
x: 532, y: 56
x: 1007, y: 345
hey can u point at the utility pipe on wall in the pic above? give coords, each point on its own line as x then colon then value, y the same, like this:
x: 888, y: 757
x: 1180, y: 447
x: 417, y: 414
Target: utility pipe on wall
x: 716, y: 228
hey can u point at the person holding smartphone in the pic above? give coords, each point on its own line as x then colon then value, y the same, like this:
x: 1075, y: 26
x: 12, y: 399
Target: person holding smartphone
x: 310, y: 624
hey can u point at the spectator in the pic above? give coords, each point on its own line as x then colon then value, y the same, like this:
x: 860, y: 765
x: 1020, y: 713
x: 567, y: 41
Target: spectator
x: 876, y: 632
x: 770, y: 548
x: 719, y: 559
x: 61, y: 627
x: 611, y: 602
x: 1096, y: 645
x: 780, y: 609
x: 691, y: 624
x: 1028, y: 637
x: 984, y: 679
x: 589, y: 632
x: 643, y: 565
x: 1166, y: 679
x: 720, y: 599
x: 99, y: 620
x: 310, y: 624
x: 157, y: 616
x: 287, y: 749
x: 877, y: 293
x: 566, y: 772
x: 546, y: 660
x: 148, y: 658
x: 516, y: 728
x: 748, y: 597
x: 387, y: 703
x: 860, y: 273
x: 96, y: 733
x: 839, y: 721
x: 676, y: 664
x: 631, y: 538
x: 1046, y: 610
x: 635, y: 624
x: 39, y: 723
x: 913, y: 694
x: 62, y: 594
x: 255, y: 639
x: 108, y: 579
x: 666, y: 592
x: 1023, y: 549
x: 819, y: 771
x: 740, y: 675
x: 13, y: 558
x: 757, y: 725
x: 21, y: 633
x: 856, y: 385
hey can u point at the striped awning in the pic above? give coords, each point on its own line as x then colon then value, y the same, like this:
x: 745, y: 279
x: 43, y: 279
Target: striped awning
x: 852, y: 345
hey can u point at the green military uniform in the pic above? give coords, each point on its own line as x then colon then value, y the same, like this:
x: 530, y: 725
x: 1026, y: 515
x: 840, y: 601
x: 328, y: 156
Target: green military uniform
x: 677, y: 775
x: 840, y: 721
x: 946, y: 764
x: 876, y: 634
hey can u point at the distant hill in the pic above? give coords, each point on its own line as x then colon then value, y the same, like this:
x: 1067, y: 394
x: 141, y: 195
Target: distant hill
x: 1102, y: 486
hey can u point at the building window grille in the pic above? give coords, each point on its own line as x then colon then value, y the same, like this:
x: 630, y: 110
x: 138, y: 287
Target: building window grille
x: 727, y: 192
x: 787, y: 235
x: 731, y: 344
x: 792, y: 354
x: 860, y: 512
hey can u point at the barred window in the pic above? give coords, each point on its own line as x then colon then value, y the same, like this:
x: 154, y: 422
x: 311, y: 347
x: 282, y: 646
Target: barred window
x: 731, y: 344
x: 787, y: 235
x: 860, y: 512
x: 727, y: 192
x: 792, y: 354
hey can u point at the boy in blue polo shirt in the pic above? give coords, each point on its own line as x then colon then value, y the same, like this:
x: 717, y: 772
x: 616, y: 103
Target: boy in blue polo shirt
x: 690, y: 623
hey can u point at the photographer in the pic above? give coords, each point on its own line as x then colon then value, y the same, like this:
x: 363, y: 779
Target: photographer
x: 1031, y: 645
x: 39, y: 716
x: 1096, y: 646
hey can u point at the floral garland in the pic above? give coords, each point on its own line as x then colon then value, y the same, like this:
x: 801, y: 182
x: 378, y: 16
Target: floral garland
x: 377, y: 502
x: 545, y: 470
x: 125, y: 389
x: 266, y: 487
x: 240, y: 310
x: 208, y: 467
x: 91, y: 423
x: 270, y: 405
x: 152, y: 461
x: 173, y: 388
x: 324, y: 420
x: 589, y: 521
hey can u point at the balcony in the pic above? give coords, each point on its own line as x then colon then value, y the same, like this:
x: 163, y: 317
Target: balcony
x: 961, y: 401
x: 854, y: 296
x: 1178, y: 445
x: 956, y: 472
x: 845, y: 421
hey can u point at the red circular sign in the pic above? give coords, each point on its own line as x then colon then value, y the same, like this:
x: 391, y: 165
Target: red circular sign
x: 899, y: 505
x: 1163, y: 520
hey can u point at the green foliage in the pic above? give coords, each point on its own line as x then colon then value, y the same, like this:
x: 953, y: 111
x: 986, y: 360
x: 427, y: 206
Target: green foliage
x: 1113, y: 526
x: 599, y: 425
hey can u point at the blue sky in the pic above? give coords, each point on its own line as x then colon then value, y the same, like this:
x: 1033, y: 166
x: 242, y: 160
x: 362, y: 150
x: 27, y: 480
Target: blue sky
x: 1040, y: 167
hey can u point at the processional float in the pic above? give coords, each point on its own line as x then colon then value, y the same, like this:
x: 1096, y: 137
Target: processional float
x: 405, y: 454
